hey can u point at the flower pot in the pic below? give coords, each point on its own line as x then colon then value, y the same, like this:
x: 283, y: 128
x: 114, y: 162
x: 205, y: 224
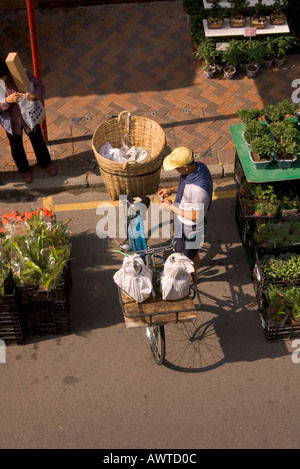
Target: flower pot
x: 285, y: 163
x: 252, y: 70
x: 209, y: 72
x: 243, y: 65
x: 214, y: 23
x: 259, y: 164
x: 280, y: 60
x: 276, y: 19
x: 237, y: 22
x: 268, y: 62
x: 229, y: 72
x: 258, y: 23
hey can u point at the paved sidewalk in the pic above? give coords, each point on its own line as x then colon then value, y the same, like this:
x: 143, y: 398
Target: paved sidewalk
x: 98, y: 61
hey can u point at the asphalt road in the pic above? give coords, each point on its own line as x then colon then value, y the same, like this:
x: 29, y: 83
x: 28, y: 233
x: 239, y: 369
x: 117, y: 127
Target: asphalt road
x: 222, y: 386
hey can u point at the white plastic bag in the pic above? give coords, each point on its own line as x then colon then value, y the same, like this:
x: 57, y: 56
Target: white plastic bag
x: 33, y: 112
x: 175, y: 280
x: 134, y: 278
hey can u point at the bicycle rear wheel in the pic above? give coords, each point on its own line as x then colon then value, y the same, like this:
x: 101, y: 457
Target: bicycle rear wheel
x: 156, y: 337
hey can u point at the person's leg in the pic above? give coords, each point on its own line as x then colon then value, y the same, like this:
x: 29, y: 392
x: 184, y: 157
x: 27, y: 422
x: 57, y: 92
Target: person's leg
x: 19, y: 156
x: 41, y: 150
x: 18, y: 152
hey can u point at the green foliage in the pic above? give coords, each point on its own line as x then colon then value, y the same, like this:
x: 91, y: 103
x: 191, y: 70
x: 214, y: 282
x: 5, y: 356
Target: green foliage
x: 256, y: 52
x: 278, y: 112
x: 217, y: 11
x: 254, y: 129
x: 282, y: 44
x: 259, y: 9
x: 231, y: 55
x: 207, y: 51
x: 279, y: 6
x: 263, y: 146
x: 269, y: 46
x: 238, y: 6
x: 286, y: 266
x: 247, y: 115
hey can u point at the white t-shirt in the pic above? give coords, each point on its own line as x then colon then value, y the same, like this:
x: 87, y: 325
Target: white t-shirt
x: 194, y: 198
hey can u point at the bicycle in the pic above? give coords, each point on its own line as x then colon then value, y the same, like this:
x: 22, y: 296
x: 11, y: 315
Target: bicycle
x: 154, y: 313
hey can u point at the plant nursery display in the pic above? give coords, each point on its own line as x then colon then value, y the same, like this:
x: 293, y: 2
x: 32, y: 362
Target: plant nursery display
x: 39, y: 247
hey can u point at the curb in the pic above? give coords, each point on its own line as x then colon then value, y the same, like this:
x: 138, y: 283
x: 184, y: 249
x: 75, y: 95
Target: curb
x: 92, y: 181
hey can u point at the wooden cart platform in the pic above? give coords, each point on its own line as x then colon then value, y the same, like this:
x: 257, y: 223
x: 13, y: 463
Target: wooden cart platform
x: 156, y: 311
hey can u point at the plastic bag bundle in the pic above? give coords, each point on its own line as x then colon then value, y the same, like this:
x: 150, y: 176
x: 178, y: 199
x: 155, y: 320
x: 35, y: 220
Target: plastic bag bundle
x: 122, y: 155
x: 175, y: 280
x: 134, y: 278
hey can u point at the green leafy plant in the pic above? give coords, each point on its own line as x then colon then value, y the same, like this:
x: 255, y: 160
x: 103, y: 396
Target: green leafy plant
x: 216, y: 11
x: 279, y: 111
x: 279, y: 6
x: 284, y: 130
x: 256, y: 52
x: 269, y: 47
x: 231, y: 54
x: 247, y: 115
x: 286, y: 266
x: 254, y: 129
x: 263, y: 147
x: 238, y: 7
x: 207, y: 51
x: 259, y: 9
x: 282, y: 44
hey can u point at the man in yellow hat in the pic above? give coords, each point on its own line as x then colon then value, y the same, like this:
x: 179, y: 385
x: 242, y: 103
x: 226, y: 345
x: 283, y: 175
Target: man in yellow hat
x: 193, y: 200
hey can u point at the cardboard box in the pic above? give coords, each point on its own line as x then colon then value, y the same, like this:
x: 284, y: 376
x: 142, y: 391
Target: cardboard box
x: 16, y: 68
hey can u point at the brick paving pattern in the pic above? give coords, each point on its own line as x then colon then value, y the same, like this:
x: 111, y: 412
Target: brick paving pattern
x: 98, y: 61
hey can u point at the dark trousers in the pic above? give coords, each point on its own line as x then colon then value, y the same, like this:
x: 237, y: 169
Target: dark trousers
x: 39, y: 147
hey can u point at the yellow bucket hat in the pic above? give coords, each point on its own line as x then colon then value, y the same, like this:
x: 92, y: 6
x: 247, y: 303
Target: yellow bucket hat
x: 179, y: 157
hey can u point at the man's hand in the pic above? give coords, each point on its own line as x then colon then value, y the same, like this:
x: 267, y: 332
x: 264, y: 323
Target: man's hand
x: 166, y: 192
x: 166, y: 204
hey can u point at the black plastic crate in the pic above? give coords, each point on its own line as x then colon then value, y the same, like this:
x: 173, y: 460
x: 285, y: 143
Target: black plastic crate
x: 32, y: 293
x: 46, y: 317
x: 11, y: 328
x: 276, y: 331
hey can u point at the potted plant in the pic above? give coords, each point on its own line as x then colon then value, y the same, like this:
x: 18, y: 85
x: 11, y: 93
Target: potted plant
x: 278, y: 16
x: 279, y: 111
x: 284, y: 129
x: 269, y: 51
x: 281, y: 45
x: 255, y: 57
x: 261, y: 151
x: 207, y: 51
x: 286, y: 153
x: 254, y: 129
x: 247, y: 115
x: 216, y: 15
x: 258, y: 18
x: 276, y: 304
x: 231, y: 57
x: 237, y: 17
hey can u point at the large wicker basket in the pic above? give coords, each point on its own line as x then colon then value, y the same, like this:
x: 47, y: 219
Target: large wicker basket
x: 135, y: 179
